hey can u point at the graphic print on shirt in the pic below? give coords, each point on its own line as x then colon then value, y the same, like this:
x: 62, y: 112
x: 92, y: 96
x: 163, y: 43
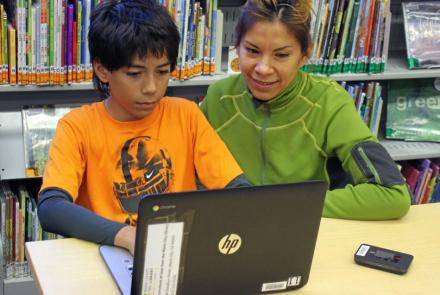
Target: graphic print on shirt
x: 145, y: 168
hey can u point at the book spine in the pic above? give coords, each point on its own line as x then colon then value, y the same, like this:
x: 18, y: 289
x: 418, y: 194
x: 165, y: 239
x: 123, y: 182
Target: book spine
x: 78, y: 42
x: 69, y: 43
x: 386, y: 39
x: 12, y: 55
x: 2, y: 45
x: 336, y: 37
x: 346, y: 25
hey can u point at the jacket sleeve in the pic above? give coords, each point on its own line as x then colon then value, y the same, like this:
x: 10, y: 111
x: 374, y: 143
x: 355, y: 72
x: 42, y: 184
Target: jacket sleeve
x: 379, y: 191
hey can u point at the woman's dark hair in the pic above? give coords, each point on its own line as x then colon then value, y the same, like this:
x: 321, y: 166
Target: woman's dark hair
x: 294, y: 14
x: 120, y: 30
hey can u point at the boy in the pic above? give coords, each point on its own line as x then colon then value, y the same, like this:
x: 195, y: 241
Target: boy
x: 105, y: 156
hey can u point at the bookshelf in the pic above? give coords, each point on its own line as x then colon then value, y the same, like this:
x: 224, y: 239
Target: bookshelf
x: 396, y: 68
x: 12, y: 98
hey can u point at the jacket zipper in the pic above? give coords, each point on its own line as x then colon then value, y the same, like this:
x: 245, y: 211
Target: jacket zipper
x: 263, y: 151
x: 369, y: 165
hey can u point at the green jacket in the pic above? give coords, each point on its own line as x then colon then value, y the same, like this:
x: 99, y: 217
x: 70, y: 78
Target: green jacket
x: 300, y: 135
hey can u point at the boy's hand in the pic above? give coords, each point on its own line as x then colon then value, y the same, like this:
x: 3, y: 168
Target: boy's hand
x: 126, y: 237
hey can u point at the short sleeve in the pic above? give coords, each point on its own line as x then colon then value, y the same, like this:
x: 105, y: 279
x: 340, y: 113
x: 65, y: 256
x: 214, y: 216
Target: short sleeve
x: 65, y: 167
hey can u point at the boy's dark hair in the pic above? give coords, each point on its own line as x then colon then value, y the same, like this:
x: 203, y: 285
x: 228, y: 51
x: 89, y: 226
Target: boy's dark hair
x: 123, y: 29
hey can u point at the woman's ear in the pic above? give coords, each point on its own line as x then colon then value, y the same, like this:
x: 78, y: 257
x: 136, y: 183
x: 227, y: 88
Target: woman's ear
x: 306, y: 56
x: 304, y: 60
x: 101, y: 72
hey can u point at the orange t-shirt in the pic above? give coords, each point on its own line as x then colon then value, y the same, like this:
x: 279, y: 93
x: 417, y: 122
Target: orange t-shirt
x: 107, y: 165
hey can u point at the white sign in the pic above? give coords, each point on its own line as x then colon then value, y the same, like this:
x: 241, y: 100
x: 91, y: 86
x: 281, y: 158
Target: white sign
x: 162, y: 258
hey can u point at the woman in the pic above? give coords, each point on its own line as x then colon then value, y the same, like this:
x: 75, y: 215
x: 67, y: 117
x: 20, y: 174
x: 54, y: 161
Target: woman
x: 283, y: 125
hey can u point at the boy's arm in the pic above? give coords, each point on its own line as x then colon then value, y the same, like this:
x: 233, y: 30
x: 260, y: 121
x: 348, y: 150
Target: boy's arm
x: 55, y: 205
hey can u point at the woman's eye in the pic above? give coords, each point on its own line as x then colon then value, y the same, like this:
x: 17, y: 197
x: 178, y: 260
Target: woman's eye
x: 281, y: 55
x: 164, y: 72
x: 252, y: 50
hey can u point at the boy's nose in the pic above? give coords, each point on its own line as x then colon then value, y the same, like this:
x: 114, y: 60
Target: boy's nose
x: 149, y: 86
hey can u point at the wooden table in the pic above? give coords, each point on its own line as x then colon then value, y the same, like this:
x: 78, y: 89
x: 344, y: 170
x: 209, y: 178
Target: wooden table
x: 71, y: 266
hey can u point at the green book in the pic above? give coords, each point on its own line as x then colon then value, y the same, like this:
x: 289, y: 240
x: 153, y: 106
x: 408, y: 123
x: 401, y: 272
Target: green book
x: 413, y: 110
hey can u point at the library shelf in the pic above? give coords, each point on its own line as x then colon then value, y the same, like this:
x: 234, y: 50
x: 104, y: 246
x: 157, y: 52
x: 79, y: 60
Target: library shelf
x: 411, y: 150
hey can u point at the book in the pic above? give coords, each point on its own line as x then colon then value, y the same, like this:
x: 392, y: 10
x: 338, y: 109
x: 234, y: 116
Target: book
x: 432, y: 182
x: 233, y: 61
x: 423, y: 168
x: 411, y: 175
x: 436, y: 194
x: 219, y: 42
x: 346, y: 24
x: 422, y: 33
x: 413, y: 110
x: 39, y: 124
x: 349, y: 47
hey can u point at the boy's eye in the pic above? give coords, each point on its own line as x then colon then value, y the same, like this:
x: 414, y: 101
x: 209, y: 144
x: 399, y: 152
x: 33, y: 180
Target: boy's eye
x: 252, y: 50
x: 133, y: 74
x: 164, y: 72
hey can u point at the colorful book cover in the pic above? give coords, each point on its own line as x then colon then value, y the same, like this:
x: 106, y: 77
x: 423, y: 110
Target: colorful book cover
x: 12, y: 55
x: 370, y: 27
x: 385, y: 40
x: 329, y: 34
x: 51, y: 44
x: 411, y: 175
x: 70, y: 11
x: 423, y: 168
x: 336, y: 37
x: 233, y: 61
x: 375, y: 37
x: 349, y: 48
x: 432, y: 182
x: 78, y: 42
x: 319, y: 53
x: 2, y: 44
x: 436, y: 194
x: 219, y: 42
x: 413, y: 110
x: 6, y: 49
x: 39, y: 124
x: 346, y: 23
x: 422, y: 33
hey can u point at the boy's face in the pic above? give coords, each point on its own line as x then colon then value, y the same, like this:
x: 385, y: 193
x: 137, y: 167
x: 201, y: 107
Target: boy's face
x: 137, y: 89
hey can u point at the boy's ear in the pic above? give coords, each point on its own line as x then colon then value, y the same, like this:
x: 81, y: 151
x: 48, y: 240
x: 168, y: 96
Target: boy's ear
x: 101, y: 72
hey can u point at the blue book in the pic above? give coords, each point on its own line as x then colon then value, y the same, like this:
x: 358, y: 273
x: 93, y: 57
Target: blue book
x: 436, y: 193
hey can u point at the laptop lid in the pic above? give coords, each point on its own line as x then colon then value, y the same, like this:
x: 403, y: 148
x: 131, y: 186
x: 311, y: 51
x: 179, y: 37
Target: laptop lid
x: 233, y: 241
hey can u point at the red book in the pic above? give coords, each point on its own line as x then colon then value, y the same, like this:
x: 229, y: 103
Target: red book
x: 411, y: 175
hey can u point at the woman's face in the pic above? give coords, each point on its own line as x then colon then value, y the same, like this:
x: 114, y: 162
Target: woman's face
x: 270, y: 57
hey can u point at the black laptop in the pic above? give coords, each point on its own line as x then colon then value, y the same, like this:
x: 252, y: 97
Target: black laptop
x: 246, y: 241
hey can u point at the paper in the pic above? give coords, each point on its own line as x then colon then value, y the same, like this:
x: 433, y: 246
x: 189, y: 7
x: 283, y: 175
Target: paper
x: 162, y: 258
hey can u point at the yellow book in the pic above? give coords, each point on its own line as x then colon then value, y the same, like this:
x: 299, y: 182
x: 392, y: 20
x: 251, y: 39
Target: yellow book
x: 12, y: 55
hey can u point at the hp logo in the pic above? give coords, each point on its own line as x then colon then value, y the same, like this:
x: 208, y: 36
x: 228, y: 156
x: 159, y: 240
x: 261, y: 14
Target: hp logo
x: 229, y: 244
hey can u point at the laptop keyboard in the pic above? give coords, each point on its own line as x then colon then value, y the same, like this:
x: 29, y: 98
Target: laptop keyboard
x: 129, y: 266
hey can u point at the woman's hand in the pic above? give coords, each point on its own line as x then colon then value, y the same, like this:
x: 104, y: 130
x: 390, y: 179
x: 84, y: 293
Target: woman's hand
x: 126, y: 237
